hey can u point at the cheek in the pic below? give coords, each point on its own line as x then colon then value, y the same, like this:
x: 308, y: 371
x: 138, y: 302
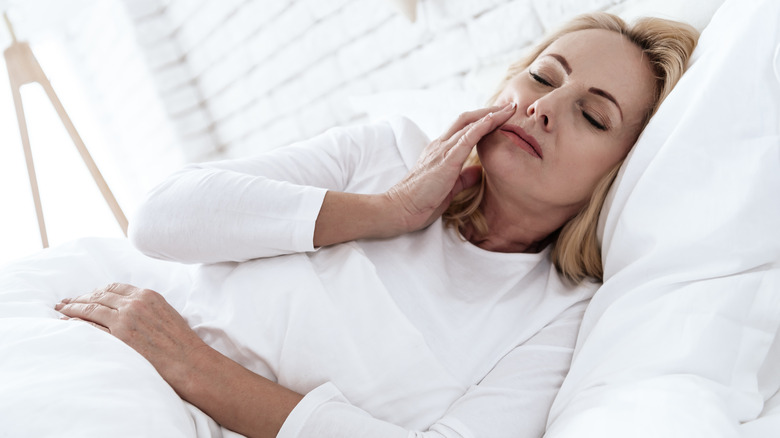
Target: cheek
x: 590, y: 163
x: 514, y: 91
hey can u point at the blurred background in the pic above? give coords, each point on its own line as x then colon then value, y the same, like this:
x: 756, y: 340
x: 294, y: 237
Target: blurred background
x: 153, y: 84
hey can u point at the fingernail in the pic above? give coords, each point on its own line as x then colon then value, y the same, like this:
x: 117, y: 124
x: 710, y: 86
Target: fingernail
x: 58, y: 306
x: 512, y: 105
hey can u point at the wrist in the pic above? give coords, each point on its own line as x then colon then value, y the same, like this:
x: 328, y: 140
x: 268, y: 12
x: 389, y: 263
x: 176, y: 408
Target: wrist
x: 345, y: 217
x: 395, y: 217
x: 232, y: 395
x: 187, y: 377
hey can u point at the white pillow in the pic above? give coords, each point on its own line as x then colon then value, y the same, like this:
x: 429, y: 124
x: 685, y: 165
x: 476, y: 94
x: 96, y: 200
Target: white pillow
x: 694, y: 12
x: 676, y: 341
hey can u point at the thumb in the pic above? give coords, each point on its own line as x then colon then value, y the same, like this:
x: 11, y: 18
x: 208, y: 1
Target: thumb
x: 468, y: 177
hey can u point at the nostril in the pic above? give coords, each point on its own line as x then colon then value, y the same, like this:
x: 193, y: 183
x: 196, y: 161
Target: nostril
x: 546, y: 120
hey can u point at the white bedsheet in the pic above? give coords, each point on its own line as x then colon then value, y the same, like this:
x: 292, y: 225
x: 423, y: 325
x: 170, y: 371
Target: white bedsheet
x: 59, y: 378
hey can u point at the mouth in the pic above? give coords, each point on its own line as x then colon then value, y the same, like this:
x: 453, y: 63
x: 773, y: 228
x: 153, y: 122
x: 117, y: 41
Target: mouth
x: 522, y: 139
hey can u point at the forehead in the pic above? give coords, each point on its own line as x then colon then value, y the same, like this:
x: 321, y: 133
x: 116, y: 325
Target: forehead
x: 607, y: 60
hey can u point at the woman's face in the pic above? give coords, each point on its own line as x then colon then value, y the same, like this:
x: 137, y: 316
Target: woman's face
x: 581, y: 105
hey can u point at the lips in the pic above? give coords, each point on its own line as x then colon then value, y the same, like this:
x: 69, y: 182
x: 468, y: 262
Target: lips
x: 522, y: 139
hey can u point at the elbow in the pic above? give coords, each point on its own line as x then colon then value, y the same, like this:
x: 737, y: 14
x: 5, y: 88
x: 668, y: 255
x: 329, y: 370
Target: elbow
x: 150, y: 228
x: 141, y: 232
x: 160, y: 233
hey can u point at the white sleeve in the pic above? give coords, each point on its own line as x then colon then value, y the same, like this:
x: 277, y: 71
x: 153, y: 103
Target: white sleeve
x: 236, y: 210
x: 513, y: 400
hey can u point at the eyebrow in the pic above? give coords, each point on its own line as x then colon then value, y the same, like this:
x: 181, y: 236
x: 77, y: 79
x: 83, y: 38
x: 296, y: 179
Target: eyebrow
x: 563, y: 61
x: 597, y: 91
x: 602, y: 93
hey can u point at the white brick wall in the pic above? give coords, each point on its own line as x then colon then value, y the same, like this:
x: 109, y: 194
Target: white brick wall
x: 137, y: 146
x: 241, y: 76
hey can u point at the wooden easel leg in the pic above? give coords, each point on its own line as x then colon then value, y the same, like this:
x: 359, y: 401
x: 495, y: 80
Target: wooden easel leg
x: 30, y: 166
x: 85, y: 156
x: 23, y: 68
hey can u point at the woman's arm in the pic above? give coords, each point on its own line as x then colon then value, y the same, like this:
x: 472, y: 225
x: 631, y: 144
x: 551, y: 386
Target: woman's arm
x: 233, y: 396
x: 267, y: 205
x: 513, y: 400
x: 312, y: 194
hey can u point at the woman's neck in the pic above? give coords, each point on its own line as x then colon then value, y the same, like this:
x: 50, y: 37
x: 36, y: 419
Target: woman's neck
x: 510, y: 229
x: 498, y: 240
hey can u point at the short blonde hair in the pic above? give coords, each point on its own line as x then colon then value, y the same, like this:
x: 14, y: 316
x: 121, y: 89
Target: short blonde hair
x: 667, y: 45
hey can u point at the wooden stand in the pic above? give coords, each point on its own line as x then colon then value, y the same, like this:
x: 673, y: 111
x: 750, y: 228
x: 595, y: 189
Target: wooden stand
x: 23, y: 69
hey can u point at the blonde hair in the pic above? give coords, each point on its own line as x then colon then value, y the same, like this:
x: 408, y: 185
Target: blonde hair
x: 576, y: 251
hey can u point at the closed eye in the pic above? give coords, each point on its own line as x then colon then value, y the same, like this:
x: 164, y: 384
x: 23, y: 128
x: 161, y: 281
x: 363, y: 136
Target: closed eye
x: 590, y: 119
x: 594, y: 122
x: 539, y: 79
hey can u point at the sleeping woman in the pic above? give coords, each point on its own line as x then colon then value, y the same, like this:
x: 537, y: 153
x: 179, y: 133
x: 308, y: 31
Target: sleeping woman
x: 407, y: 287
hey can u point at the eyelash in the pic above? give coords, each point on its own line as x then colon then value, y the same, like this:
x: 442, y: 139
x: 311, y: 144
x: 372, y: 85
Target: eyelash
x: 587, y: 116
x: 593, y: 122
x: 540, y: 79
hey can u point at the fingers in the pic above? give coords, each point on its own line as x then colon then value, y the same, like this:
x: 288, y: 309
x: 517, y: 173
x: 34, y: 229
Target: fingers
x: 90, y: 312
x: 110, y: 296
x: 121, y: 289
x: 98, y: 307
x: 93, y: 324
x: 465, y: 119
x: 470, y: 135
x: 483, y: 114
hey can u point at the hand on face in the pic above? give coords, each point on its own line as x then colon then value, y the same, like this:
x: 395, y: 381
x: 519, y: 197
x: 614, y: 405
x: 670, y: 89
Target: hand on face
x: 143, y: 320
x: 438, y: 175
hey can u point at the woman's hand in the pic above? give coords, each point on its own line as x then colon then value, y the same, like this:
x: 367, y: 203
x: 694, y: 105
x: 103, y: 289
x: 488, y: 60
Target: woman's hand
x: 424, y: 194
x: 144, y: 321
x: 234, y: 396
x: 421, y: 197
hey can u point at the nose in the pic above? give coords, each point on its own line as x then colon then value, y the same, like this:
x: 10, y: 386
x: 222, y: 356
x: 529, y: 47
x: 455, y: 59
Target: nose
x: 541, y: 111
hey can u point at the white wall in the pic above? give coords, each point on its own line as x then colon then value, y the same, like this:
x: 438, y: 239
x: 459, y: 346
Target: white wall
x: 88, y: 50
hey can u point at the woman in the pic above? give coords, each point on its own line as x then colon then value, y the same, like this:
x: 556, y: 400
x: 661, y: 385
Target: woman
x: 461, y: 326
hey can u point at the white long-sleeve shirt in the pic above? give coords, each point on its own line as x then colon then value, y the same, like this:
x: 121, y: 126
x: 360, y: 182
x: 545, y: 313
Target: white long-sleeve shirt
x: 421, y: 335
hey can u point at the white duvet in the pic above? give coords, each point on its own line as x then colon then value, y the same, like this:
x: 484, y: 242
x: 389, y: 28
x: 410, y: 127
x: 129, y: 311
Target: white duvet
x: 681, y: 341
x: 67, y: 378
x: 63, y: 379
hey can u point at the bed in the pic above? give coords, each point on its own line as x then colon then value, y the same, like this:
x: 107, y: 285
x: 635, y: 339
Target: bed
x: 680, y: 341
